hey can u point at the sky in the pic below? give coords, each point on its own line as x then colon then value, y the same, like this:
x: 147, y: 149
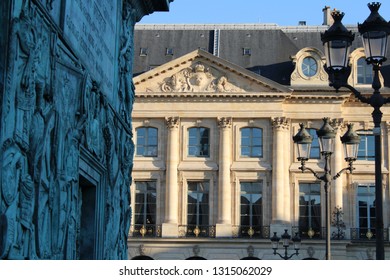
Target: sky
x: 280, y: 12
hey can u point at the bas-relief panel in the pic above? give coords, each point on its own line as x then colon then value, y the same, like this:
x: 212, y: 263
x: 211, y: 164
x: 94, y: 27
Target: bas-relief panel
x: 52, y: 107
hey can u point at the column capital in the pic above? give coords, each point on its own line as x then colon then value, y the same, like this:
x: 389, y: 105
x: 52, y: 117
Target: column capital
x: 224, y: 122
x: 172, y: 122
x: 280, y: 122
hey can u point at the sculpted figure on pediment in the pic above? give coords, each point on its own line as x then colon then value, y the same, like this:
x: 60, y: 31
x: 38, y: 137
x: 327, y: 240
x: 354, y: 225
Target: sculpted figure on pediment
x: 199, y: 78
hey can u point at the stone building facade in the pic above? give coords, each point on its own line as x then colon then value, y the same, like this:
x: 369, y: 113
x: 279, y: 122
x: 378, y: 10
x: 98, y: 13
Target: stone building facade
x: 66, y: 143
x: 215, y: 168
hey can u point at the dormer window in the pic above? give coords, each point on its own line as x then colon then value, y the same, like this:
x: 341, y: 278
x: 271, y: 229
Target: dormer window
x: 246, y: 51
x: 169, y: 51
x: 309, y: 70
x: 143, y: 52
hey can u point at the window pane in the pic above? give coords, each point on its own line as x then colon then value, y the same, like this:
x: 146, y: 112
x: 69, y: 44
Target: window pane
x: 315, y: 145
x: 198, y: 203
x: 198, y: 141
x: 251, y: 203
x: 366, y: 146
x: 147, y: 141
x: 309, y: 208
x: 251, y: 142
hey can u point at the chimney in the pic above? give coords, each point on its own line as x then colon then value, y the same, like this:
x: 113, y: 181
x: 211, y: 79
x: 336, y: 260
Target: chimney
x: 328, y: 20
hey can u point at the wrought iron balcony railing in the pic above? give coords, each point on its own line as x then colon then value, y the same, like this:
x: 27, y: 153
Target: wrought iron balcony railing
x: 138, y: 230
x: 197, y: 231
x: 310, y: 233
x: 251, y: 232
x: 367, y: 234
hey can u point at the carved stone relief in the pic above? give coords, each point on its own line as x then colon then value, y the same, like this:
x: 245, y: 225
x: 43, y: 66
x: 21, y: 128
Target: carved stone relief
x: 198, y: 78
x: 51, y: 108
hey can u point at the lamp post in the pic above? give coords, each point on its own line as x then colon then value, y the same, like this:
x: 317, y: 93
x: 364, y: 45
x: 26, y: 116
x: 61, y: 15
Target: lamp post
x: 337, y: 40
x: 326, y: 135
x: 286, y: 243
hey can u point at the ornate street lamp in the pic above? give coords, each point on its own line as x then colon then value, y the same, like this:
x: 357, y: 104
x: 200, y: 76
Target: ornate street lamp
x: 337, y: 40
x: 286, y: 238
x: 326, y: 136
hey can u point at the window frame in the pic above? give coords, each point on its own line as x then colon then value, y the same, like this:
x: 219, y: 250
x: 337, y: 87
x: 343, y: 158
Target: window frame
x: 304, y: 231
x: 369, y: 153
x: 369, y: 219
x: 251, y: 144
x: 198, y: 146
x: 146, y: 145
x: 254, y: 226
x: 148, y: 228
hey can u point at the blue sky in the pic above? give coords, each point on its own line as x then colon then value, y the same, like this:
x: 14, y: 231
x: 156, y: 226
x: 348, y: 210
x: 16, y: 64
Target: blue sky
x: 281, y: 12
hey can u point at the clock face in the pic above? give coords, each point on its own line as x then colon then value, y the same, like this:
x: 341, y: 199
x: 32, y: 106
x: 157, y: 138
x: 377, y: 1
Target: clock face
x: 309, y: 66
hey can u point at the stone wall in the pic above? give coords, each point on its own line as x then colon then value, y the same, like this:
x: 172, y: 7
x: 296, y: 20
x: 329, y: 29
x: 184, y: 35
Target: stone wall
x: 66, y: 141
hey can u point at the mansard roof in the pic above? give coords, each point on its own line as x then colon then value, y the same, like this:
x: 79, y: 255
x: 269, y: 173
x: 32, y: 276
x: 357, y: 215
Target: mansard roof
x: 271, y: 45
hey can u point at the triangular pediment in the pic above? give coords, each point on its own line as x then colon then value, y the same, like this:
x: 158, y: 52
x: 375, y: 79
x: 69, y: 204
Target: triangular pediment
x: 200, y: 72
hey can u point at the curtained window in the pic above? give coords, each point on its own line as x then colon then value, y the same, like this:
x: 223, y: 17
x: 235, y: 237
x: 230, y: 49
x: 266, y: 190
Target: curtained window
x: 145, y: 205
x: 366, y: 210
x: 251, y: 209
x: 310, y: 209
x: 199, y: 142
x: 198, y: 204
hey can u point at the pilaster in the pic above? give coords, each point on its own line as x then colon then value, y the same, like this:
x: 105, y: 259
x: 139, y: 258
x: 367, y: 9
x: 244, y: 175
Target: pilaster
x: 170, y: 225
x: 224, y: 224
x: 280, y: 175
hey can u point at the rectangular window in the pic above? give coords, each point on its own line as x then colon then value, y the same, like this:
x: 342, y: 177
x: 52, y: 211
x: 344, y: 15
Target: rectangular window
x: 251, y: 142
x: 366, y: 211
x: 198, y: 142
x: 310, y: 210
x: 169, y: 51
x: 251, y: 210
x: 366, y: 146
x: 315, y: 145
x: 145, y: 208
x: 198, y: 208
x: 147, y: 141
x: 364, y: 72
x: 246, y: 51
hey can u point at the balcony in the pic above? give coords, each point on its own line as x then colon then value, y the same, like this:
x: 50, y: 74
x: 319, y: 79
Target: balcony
x: 367, y: 234
x: 251, y: 232
x: 148, y: 230
x: 196, y: 231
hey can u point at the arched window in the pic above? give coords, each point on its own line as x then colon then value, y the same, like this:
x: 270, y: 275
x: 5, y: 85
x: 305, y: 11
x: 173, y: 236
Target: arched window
x: 251, y: 142
x: 199, y: 142
x: 147, y: 139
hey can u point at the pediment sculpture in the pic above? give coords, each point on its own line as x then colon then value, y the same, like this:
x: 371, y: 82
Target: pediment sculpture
x: 198, y: 78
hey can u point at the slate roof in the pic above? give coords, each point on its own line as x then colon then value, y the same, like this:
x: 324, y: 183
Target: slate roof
x: 271, y: 46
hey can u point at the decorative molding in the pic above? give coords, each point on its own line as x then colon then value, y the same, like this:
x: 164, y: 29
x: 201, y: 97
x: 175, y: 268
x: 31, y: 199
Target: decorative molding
x: 172, y: 122
x: 280, y: 123
x: 224, y: 122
